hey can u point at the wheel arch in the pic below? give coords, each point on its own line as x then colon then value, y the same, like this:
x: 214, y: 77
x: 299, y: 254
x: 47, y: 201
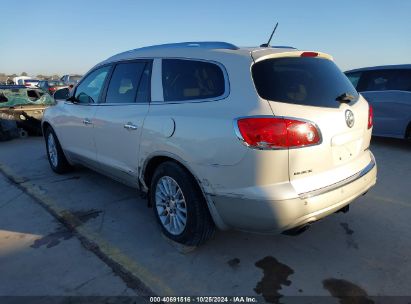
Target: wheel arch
x: 44, y: 126
x: 154, y: 161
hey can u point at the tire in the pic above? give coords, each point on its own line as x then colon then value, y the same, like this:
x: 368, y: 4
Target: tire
x: 198, y: 226
x: 55, y: 155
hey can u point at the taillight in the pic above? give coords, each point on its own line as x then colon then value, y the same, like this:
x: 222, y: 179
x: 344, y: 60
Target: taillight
x: 370, y: 116
x: 52, y: 89
x: 275, y: 133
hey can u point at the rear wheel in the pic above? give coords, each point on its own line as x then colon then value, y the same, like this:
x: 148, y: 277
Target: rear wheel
x: 55, y: 155
x: 179, y: 205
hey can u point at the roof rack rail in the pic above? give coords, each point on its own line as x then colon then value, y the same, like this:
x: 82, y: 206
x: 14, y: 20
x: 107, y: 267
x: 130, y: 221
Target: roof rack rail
x: 282, y: 47
x: 194, y: 44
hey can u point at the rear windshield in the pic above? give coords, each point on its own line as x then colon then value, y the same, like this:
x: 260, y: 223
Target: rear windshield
x: 304, y: 81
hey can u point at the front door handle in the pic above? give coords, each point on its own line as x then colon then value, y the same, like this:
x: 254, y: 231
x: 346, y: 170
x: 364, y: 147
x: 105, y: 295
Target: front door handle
x: 87, y: 121
x: 130, y: 126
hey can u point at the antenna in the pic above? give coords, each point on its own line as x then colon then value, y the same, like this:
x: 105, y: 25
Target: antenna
x: 269, y: 40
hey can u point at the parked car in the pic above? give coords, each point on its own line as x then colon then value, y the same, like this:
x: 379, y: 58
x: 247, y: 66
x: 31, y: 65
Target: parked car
x: 51, y: 86
x: 71, y: 80
x: 257, y: 139
x: 388, y: 90
x: 26, y: 81
x: 24, y: 106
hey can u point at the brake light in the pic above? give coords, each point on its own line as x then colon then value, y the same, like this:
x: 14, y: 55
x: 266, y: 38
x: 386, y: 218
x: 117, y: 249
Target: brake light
x: 274, y: 133
x: 52, y: 89
x: 309, y: 54
x: 370, y: 116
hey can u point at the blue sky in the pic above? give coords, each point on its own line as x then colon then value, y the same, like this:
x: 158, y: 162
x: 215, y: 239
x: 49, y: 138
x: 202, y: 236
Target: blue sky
x: 61, y: 37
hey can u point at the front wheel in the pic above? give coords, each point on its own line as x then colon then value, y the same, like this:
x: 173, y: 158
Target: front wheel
x: 179, y: 205
x: 55, y: 155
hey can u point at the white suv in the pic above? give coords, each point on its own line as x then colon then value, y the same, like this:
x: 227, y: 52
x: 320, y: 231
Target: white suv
x: 257, y: 139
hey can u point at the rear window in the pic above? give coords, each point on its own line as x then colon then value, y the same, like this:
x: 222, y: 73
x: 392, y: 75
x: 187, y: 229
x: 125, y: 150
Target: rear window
x: 304, y: 81
x: 191, y: 80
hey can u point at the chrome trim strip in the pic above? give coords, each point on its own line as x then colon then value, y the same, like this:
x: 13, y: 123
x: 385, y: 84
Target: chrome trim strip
x: 342, y: 183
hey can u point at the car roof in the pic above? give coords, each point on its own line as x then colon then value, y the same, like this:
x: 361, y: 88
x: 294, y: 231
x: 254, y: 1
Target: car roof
x: 203, y: 49
x: 382, y: 67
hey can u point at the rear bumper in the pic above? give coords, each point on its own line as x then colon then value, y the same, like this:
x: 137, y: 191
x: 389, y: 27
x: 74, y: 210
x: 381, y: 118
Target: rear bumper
x: 271, y: 216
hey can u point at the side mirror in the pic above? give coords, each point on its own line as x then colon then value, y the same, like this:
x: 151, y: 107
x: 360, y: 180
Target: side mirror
x: 62, y: 94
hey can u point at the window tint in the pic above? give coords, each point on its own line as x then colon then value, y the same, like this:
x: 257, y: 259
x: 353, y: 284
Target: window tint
x: 189, y: 80
x: 75, y: 78
x: 305, y: 81
x: 382, y: 80
x: 90, y: 88
x: 143, y: 93
x: 125, y: 82
x: 56, y: 83
x: 354, y: 78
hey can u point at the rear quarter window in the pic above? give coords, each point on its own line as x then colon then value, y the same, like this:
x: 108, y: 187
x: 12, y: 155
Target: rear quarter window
x: 304, y: 81
x: 191, y: 80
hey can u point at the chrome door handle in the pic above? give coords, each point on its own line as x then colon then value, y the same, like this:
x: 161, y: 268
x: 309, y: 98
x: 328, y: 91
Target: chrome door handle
x: 87, y: 121
x: 130, y: 126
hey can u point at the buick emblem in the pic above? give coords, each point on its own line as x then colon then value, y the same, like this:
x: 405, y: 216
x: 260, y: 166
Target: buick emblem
x: 349, y: 118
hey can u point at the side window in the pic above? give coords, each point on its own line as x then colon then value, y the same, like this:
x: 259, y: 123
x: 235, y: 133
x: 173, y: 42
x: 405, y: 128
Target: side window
x: 143, y: 93
x: 191, y: 80
x: 125, y: 82
x: 402, y: 81
x: 354, y: 78
x: 383, y: 80
x: 88, y: 91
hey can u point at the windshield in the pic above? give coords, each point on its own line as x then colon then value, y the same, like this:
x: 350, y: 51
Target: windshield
x: 302, y: 80
x: 11, y: 97
x: 75, y: 78
x: 56, y: 83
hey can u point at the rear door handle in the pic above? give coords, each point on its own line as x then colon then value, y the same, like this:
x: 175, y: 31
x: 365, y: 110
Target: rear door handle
x: 130, y: 126
x: 87, y: 121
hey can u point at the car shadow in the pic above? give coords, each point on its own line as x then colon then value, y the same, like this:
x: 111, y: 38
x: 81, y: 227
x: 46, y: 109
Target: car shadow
x: 391, y: 142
